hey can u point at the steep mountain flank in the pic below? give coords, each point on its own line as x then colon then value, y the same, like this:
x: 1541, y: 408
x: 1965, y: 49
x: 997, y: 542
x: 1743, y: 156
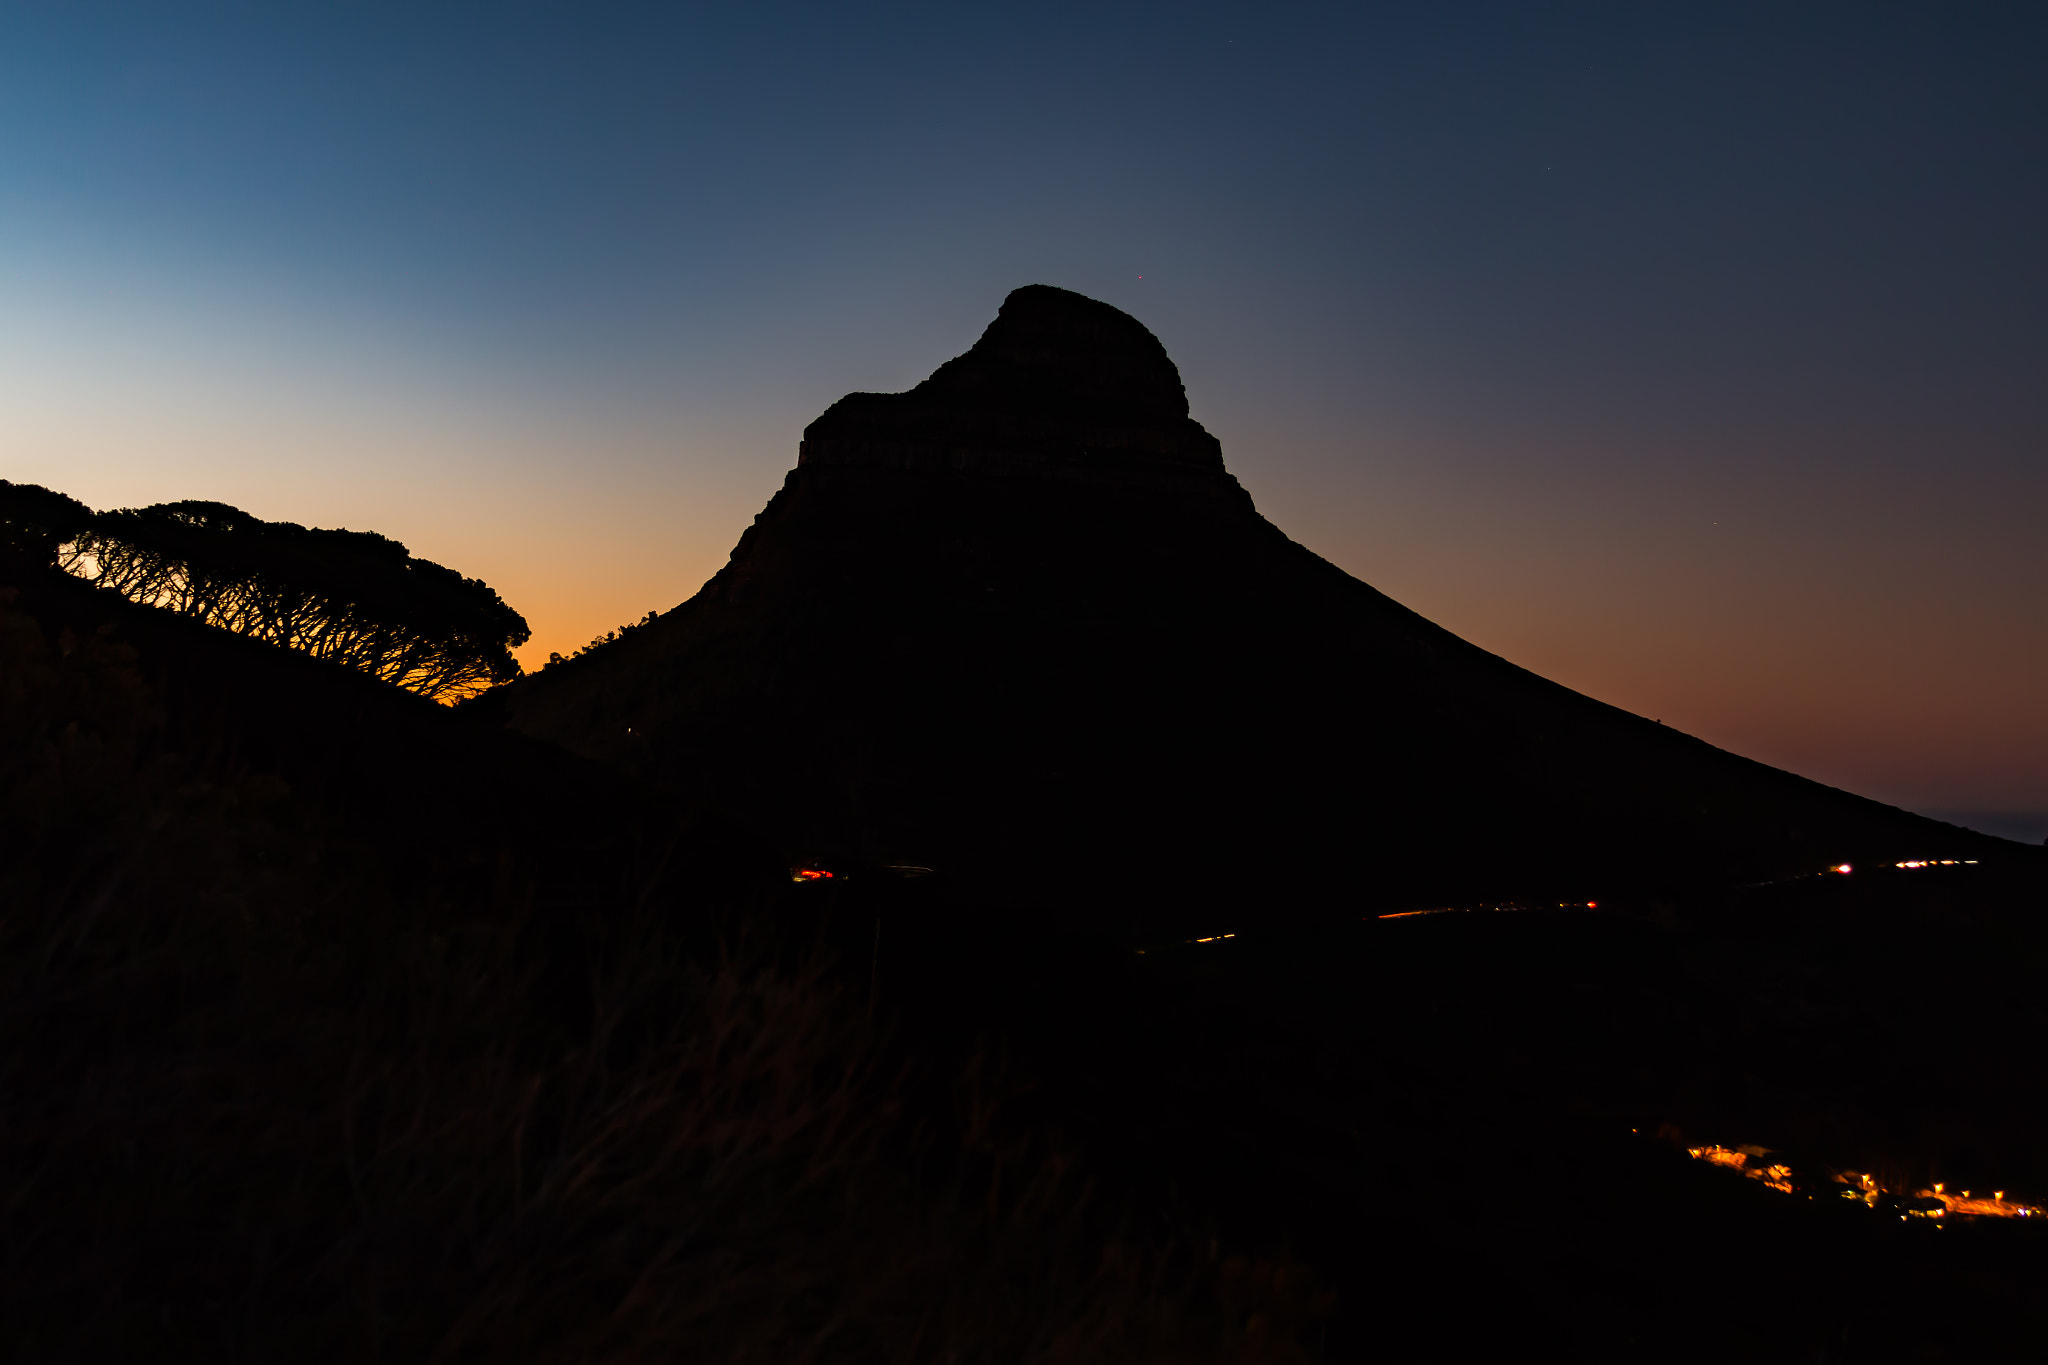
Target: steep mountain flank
x: 1021, y: 625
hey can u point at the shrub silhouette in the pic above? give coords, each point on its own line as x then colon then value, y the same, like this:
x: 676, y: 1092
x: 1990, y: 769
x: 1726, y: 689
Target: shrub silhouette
x: 600, y: 641
x: 352, y: 597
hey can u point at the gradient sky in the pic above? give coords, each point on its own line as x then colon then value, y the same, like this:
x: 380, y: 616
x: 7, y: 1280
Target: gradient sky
x: 1694, y: 355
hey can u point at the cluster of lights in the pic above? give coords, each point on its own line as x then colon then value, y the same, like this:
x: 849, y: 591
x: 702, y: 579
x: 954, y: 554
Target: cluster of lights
x: 809, y: 874
x: 1930, y: 1204
x: 1776, y: 1175
x: 1845, y: 869
x: 1997, y: 1206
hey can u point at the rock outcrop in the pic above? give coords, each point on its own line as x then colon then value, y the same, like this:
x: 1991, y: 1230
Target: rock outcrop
x: 1020, y: 624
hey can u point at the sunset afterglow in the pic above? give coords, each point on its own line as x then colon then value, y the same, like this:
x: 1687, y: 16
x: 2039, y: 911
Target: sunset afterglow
x: 1691, y: 423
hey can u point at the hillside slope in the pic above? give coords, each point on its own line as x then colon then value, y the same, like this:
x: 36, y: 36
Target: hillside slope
x: 1021, y: 624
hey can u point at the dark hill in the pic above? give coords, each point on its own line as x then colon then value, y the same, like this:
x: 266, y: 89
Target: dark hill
x: 1021, y: 625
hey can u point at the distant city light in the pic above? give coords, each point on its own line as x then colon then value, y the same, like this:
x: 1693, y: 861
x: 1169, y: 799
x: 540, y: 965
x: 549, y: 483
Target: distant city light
x: 1933, y: 1204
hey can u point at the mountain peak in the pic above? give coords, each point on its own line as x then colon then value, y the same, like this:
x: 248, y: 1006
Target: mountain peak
x: 1055, y: 347
x: 1059, y: 384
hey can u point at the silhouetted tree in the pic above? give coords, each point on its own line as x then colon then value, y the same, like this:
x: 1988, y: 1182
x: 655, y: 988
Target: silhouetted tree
x: 354, y: 597
x: 40, y: 525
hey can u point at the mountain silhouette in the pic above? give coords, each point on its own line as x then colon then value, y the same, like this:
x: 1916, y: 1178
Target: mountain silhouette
x: 1021, y: 625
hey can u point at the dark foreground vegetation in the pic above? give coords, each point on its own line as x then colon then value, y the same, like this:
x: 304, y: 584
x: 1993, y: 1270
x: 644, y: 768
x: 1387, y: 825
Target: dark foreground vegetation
x: 340, y: 1026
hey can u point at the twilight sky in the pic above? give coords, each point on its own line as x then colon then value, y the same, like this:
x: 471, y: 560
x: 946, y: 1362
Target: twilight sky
x: 1694, y: 355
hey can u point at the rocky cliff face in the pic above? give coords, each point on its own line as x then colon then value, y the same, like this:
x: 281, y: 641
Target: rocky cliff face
x: 1021, y: 624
